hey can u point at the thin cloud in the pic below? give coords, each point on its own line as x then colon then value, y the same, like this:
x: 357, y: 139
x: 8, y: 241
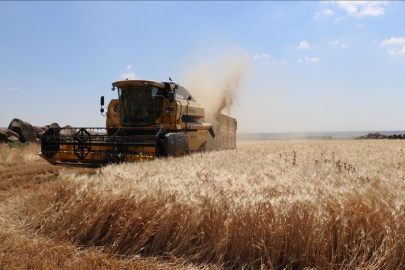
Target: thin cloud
x: 335, y: 44
x: 339, y: 18
x: 299, y: 61
x: 395, y: 42
x: 129, y: 76
x: 284, y: 62
x: 129, y: 67
x: 304, y: 45
x: 323, y: 12
x: 261, y: 56
x: 265, y: 58
x: 316, y: 59
x: 394, y: 52
x: 361, y: 9
x: 14, y: 88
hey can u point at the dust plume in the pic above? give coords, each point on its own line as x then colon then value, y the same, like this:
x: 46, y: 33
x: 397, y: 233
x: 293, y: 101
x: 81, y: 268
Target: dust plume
x: 218, y: 83
x: 230, y: 92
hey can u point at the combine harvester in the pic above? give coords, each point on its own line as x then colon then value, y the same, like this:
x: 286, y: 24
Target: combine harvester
x: 149, y: 120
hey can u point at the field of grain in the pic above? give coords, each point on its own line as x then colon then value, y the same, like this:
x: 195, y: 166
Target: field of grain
x: 267, y: 205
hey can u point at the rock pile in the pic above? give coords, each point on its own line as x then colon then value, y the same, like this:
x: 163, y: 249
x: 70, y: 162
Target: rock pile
x: 25, y: 131
x: 19, y: 130
x: 376, y: 136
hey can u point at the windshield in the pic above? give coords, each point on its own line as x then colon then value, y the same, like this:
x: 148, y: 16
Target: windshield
x: 138, y: 107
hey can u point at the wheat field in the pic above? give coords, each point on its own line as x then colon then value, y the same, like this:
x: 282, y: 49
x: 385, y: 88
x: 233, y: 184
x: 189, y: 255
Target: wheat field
x: 267, y: 205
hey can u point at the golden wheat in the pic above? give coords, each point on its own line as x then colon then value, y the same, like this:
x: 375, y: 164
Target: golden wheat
x: 25, y: 180
x: 269, y: 204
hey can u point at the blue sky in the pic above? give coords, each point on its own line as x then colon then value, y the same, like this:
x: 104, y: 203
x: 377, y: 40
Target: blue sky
x: 302, y: 66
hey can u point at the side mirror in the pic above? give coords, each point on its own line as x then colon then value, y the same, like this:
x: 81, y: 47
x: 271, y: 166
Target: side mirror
x: 102, y: 104
x: 171, y: 97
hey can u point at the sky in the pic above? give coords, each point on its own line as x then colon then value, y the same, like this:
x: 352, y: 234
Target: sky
x: 296, y: 66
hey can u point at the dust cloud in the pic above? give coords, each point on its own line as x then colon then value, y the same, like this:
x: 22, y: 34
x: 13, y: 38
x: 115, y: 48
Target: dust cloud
x: 218, y: 83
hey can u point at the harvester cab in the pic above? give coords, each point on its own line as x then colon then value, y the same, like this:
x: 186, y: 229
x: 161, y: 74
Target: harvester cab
x: 148, y: 120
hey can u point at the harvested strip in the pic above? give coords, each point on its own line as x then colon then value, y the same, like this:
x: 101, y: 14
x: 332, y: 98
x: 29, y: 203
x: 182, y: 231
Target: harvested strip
x: 17, y: 175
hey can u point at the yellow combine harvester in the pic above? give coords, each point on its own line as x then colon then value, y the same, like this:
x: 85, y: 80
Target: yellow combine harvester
x: 148, y: 120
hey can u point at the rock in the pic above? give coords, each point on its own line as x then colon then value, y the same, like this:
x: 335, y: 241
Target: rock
x: 92, y: 132
x: 53, y: 125
x: 39, y: 131
x: 45, y: 128
x: 372, y: 136
x: 3, y: 135
x: 12, y: 133
x: 23, y: 129
x: 39, y: 134
x: 53, y: 129
x: 13, y: 139
x: 68, y: 130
